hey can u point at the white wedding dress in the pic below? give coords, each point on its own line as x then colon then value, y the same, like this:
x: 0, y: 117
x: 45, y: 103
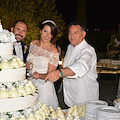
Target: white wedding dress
x: 41, y: 58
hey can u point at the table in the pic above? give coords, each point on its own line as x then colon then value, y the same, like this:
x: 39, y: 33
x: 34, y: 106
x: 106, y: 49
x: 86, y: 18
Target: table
x: 108, y: 66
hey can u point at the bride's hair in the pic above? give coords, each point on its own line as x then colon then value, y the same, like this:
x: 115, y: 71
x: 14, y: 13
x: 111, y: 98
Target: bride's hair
x: 53, y: 26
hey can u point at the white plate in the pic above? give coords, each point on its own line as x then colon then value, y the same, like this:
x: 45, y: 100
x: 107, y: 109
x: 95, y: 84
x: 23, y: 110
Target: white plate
x: 109, y: 112
x: 109, y: 109
x: 96, y: 103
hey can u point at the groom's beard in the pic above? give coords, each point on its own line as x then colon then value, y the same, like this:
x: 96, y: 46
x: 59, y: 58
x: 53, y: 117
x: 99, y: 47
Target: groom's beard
x: 18, y: 35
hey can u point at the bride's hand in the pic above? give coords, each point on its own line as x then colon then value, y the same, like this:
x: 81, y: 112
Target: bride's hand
x: 29, y: 65
x: 36, y: 75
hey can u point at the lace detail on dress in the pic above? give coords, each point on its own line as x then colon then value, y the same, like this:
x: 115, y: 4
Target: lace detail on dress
x: 38, y: 51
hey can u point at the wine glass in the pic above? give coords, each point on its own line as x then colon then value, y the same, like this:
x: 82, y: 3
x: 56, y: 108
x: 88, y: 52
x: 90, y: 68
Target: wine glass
x: 31, y: 66
x: 30, y: 71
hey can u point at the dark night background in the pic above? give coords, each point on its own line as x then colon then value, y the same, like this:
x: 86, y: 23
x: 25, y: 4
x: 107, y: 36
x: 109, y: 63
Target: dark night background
x: 102, y: 14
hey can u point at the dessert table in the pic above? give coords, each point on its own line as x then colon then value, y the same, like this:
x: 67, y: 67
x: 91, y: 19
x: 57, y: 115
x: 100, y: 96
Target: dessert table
x: 108, y: 66
x: 64, y: 110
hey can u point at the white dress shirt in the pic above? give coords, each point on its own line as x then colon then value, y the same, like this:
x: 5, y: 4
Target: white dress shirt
x: 83, y: 86
x: 18, y: 50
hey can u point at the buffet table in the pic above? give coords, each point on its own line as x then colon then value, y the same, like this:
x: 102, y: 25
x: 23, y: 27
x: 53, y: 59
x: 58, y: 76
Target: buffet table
x: 108, y: 66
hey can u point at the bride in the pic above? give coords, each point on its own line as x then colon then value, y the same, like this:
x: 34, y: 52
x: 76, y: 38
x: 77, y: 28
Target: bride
x: 44, y: 57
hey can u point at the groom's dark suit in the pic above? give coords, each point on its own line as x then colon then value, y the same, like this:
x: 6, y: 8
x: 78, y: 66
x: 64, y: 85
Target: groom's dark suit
x: 24, y: 51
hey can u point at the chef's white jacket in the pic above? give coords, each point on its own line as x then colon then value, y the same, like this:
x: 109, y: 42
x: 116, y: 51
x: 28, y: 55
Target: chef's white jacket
x: 83, y: 86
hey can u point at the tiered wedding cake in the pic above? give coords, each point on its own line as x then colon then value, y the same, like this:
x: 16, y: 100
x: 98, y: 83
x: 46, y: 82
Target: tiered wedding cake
x: 18, y: 96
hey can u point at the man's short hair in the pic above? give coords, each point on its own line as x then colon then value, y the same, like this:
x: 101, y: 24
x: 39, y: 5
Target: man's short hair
x: 77, y: 23
x: 14, y: 24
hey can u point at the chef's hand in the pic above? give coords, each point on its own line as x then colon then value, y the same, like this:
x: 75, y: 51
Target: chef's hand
x: 53, y: 76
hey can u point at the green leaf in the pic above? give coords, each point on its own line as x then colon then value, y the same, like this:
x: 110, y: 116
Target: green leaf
x: 35, y: 12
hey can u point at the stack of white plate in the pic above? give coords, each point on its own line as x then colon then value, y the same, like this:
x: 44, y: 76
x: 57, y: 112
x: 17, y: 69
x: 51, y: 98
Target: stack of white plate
x: 108, y: 113
x: 91, y: 109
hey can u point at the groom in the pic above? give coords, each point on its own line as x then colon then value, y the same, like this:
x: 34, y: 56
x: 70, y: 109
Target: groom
x: 19, y: 28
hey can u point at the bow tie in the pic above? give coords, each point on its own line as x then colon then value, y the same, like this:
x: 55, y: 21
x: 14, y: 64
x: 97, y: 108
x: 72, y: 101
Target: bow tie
x: 17, y: 44
x: 18, y: 41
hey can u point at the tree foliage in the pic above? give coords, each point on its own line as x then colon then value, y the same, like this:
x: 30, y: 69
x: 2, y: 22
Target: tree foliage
x: 32, y: 12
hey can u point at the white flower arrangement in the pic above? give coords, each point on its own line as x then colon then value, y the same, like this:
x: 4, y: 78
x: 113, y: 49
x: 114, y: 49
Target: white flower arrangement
x: 8, y: 86
x: 6, y: 36
x: 19, y: 113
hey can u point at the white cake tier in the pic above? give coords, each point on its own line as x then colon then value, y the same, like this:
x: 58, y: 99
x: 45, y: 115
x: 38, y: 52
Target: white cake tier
x: 19, y: 103
x: 6, y: 49
x: 11, y: 75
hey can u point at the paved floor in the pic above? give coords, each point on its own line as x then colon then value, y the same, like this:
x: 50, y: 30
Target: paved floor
x: 108, y: 89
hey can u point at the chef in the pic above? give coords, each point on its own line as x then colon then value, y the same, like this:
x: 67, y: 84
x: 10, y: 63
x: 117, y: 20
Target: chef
x: 79, y: 68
